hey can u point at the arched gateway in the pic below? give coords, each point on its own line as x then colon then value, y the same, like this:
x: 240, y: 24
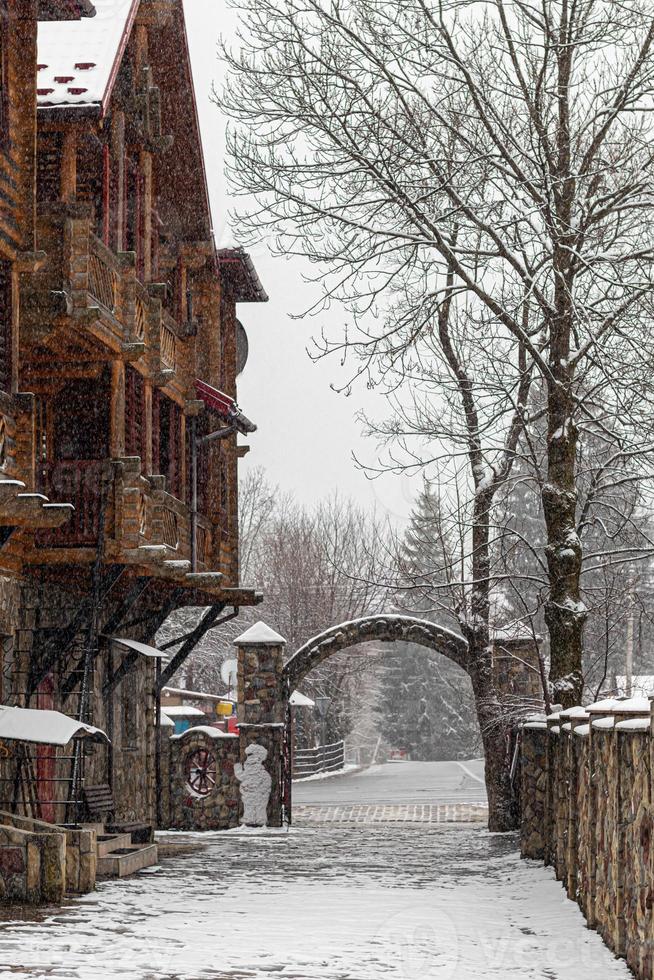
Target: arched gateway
x: 265, y: 683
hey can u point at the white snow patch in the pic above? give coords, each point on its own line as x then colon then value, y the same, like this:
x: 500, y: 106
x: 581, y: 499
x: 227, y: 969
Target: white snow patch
x: 260, y: 635
x: 634, y: 725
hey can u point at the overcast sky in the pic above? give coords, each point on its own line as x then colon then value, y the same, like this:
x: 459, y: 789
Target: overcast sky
x: 306, y: 431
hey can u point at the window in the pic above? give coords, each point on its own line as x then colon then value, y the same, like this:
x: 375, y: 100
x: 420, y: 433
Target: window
x: 167, y: 433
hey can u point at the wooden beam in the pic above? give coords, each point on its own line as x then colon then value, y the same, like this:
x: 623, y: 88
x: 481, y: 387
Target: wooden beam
x: 68, y: 176
x: 117, y: 410
x: 208, y: 621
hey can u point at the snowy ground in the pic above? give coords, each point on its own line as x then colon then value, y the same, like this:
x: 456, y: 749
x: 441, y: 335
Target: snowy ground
x: 337, y: 903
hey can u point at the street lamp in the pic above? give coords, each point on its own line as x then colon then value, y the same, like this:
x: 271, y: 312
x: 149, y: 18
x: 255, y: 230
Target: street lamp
x: 322, y: 707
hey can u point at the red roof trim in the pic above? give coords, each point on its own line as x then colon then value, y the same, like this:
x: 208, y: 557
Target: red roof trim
x: 119, y: 56
x: 215, y: 399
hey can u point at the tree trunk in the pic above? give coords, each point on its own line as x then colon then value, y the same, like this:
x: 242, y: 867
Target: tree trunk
x: 564, y: 612
x: 497, y: 738
x: 495, y: 728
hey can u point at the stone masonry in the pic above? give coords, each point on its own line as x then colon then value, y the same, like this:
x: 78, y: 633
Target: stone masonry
x: 587, y: 799
x: 262, y: 701
x: 219, y: 808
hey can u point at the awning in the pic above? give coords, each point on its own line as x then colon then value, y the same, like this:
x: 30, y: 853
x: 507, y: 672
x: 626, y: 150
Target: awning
x: 142, y: 648
x: 224, y: 406
x: 301, y: 700
x: 165, y: 721
x: 44, y: 727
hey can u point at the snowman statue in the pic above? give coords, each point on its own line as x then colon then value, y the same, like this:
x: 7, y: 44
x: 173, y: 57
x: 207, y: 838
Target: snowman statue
x: 255, y: 783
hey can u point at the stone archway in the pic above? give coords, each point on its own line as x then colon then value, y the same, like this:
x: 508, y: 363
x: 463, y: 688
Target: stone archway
x: 381, y: 629
x: 265, y: 683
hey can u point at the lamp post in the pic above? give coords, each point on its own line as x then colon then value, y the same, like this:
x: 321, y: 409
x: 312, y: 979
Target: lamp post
x: 322, y: 707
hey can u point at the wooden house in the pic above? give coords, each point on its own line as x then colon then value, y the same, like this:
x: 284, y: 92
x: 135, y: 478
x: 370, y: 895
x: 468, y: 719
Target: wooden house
x: 121, y: 414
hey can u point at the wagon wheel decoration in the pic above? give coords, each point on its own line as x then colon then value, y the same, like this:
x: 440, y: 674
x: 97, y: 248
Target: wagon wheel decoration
x: 201, y: 772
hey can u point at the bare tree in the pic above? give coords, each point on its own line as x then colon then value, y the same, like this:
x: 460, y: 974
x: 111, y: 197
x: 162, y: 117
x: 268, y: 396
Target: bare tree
x: 503, y: 147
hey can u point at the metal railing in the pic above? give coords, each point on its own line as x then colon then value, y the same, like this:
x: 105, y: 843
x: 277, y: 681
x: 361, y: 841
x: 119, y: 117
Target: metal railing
x: 322, y: 758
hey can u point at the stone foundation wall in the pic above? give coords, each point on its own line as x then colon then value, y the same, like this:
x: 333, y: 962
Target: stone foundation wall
x: 587, y: 793
x: 219, y: 809
x: 28, y: 614
x: 80, y: 853
x: 32, y: 866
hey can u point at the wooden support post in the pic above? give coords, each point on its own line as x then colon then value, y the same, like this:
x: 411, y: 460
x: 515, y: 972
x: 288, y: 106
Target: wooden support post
x: 118, y: 178
x: 68, y: 178
x: 146, y: 170
x: 182, y: 312
x: 140, y: 48
x: 117, y: 422
x: 147, y: 461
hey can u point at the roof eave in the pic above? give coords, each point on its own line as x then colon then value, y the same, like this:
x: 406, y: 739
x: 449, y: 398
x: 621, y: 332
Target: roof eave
x: 252, y: 290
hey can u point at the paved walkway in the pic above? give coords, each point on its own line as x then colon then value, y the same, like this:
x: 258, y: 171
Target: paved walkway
x: 373, y: 813
x: 393, y: 902
x: 399, y: 782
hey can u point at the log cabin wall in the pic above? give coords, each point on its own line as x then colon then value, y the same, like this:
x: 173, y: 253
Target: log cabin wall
x: 124, y: 305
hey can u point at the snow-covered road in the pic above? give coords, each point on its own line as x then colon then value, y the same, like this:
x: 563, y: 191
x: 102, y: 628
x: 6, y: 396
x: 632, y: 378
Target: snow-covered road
x: 339, y: 903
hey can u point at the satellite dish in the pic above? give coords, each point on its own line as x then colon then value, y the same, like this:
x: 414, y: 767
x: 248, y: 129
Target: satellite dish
x: 229, y: 673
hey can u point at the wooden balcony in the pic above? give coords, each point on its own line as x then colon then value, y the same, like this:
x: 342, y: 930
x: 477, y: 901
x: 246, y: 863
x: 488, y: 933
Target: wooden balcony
x: 144, y: 525
x: 79, y: 482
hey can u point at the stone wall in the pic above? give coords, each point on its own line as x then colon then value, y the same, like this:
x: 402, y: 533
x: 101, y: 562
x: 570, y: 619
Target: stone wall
x: 29, y: 615
x: 587, y: 795
x: 32, y: 866
x: 219, y: 808
x: 80, y: 852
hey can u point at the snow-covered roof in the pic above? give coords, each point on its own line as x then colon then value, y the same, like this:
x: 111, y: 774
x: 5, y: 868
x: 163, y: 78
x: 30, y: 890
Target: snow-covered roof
x: 182, y: 692
x: 143, y: 648
x: 206, y: 730
x: 183, y: 711
x: 259, y: 635
x: 165, y: 721
x: 514, y: 633
x: 78, y: 59
x: 301, y: 700
x: 43, y: 726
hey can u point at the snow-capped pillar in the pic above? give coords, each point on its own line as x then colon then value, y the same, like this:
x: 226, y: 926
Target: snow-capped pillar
x: 262, y: 706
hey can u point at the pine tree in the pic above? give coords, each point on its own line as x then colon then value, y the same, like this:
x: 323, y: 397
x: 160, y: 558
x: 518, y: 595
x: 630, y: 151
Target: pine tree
x: 426, y: 705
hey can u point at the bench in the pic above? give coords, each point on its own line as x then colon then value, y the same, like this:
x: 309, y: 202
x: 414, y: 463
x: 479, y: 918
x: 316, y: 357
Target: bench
x: 100, y: 806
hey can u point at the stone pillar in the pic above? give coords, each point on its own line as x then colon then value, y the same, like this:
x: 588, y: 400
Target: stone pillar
x: 533, y: 774
x: 262, y: 704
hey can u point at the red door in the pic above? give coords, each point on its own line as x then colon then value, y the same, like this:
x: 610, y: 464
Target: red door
x: 46, y: 756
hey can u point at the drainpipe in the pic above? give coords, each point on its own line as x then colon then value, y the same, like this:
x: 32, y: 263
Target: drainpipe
x: 196, y: 444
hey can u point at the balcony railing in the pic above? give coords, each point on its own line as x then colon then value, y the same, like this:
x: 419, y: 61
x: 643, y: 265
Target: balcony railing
x: 104, y: 271
x: 139, y: 514
x: 78, y: 482
x: 168, y: 342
